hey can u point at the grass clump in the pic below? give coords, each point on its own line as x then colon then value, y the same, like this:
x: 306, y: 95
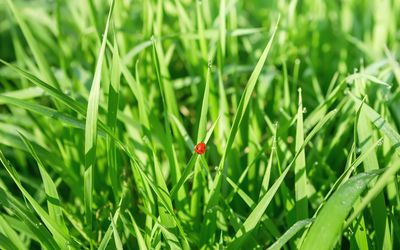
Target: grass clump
x: 102, y: 103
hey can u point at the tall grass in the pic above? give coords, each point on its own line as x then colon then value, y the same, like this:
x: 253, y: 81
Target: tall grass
x: 102, y: 103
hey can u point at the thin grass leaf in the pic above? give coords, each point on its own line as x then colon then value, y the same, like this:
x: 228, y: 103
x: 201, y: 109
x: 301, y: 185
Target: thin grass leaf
x: 6, y: 243
x: 53, y: 200
x: 111, y: 228
x: 34, y: 46
x: 244, y: 101
x: 300, y: 168
x: 289, y: 234
x: 194, y: 157
x: 91, y: 128
x: 10, y: 234
x: 197, y: 180
x: 138, y: 234
x: 50, y: 223
x: 113, y: 102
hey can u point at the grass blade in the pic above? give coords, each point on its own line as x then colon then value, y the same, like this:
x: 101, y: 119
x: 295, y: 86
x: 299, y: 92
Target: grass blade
x: 51, y: 224
x: 53, y: 200
x: 289, y: 234
x: 327, y: 227
x: 113, y: 102
x: 300, y: 168
x: 91, y: 128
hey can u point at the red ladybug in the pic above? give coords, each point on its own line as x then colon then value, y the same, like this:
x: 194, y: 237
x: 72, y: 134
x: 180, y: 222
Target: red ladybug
x: 200, y: 148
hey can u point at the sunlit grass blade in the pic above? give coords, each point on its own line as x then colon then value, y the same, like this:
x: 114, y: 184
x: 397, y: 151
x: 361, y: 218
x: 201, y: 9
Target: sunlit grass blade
x: 34, y: 46
x: 300, y: 168
x: 244, y: 101
x: 112, y: 229
x: 141, y: 243
x: 386, y: 177
x: 194, y: 157
x: 169, y: 106
x: 197, y: 189
x: 10, y: 234
x: 113, y: 101
x: 53, y: 200
x: 327, y: 227
x: 61, y: 236
x: 6, y: 243
x: 289, y: 234
x: 91, y: 128
x: 31, y: 224
x: 48, y: 88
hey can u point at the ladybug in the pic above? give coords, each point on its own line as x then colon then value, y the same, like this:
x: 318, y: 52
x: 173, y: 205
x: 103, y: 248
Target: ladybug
x: 200, y: 148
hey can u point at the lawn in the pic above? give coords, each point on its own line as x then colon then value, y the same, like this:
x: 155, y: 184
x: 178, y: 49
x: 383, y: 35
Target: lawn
x: 294, y: 107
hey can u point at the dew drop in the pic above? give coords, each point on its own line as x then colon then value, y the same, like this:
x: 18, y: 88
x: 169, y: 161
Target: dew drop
x: 304, y: 110
x: 358, y: 150
x: 199, y: 2
x: 316, y: 163
x: 389, y: 87
x: 380, y: 142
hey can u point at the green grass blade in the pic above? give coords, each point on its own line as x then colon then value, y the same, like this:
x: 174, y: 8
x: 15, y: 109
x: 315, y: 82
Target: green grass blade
x: 197, y: 189
x: 111, y: 229
x: 34, y: 46
x: 327, y: 227
x: 138, y: 234
x: 11, y: 234
x: 31, y: 225
x: 113, y: 102
x: 6, y: 243
x: 289, y: 234
x: 51, y: 224
x: 194, y: 157
x: 91, y: 128
x: 244, y: 101
x: 48, y: 88
x: 300, y: 168
x: 53, y: 200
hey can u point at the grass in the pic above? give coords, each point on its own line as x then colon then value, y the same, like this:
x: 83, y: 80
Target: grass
x: 102, y: 103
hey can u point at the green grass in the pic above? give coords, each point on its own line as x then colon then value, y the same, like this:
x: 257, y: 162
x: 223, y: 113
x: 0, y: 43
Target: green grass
x: 102, y: 103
